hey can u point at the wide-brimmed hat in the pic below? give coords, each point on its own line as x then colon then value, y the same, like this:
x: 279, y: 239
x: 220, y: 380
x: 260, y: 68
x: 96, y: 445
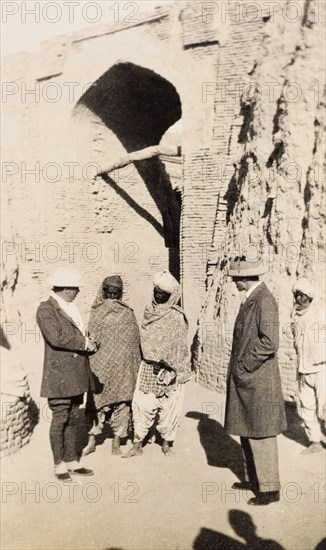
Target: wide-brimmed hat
x: 244, y: 268
x: 65, y: 276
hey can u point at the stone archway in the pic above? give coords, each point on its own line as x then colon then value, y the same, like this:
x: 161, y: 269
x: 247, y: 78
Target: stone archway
x: 138, y: 106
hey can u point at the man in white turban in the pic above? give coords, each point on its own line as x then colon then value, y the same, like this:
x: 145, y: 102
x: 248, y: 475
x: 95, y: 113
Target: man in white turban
x: 165, y: 366
x: 308, y: 326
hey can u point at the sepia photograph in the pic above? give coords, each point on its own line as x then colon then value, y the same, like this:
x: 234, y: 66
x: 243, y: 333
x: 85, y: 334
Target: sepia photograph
x: 163, y: 252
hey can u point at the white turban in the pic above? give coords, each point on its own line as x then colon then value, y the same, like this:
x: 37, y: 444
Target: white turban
x: 165, y: 281
x: 305, y: 286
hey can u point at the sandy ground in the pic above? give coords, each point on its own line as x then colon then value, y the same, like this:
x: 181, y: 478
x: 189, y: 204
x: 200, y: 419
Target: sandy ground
x: 158, y: 503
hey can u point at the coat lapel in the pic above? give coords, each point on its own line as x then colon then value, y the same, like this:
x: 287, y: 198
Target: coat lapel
x: 252, y: 298
x: 63, y: 313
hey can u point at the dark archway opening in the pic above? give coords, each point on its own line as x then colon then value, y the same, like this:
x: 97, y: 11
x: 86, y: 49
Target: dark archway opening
x: 139, y: 106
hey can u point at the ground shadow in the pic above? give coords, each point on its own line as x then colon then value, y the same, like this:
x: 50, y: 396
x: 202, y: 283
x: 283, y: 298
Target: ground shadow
x: 243, y: 526
x: 295, y: 429
x: 221, y: 450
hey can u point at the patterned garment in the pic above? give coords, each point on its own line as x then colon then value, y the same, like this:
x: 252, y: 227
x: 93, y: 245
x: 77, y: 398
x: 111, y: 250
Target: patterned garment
x: 164, y: 347
x: 149, y: 383
x: 115, y: 365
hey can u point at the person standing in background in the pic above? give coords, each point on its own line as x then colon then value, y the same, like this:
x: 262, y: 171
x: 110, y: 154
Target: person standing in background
x: 308, y: 327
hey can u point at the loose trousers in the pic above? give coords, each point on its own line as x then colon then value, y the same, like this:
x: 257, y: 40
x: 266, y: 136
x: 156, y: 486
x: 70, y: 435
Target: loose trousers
x: 312, y: 389
x: 146, y: 405
x: 261, y: 463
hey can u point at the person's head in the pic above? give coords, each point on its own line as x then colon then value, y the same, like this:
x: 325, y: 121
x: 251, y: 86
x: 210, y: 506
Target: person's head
x: 160, y: 296
x: 113, y: 288
x: 303, y: 293
x: 245, y: 273
x: 68, y: 293
x: 66, y: 281
x: 244, y: 283
x: 164, y: 286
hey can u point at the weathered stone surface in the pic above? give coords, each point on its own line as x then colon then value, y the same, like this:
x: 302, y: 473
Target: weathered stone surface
x: 248, y: 90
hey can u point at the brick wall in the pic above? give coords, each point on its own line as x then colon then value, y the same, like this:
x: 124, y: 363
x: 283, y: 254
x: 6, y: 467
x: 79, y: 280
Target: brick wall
x: 269, y: 142
x: 230, y: 67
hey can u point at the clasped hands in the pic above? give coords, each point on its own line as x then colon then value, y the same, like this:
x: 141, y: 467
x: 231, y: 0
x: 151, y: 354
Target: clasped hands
x: 91, y: 344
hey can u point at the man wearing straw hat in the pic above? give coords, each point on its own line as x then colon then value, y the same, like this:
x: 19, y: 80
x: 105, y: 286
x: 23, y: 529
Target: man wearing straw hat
x: 255, y: 406
x: 66, y: 373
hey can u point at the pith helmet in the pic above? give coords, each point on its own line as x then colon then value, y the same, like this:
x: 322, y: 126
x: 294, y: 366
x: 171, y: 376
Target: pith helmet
x: 65, y: 276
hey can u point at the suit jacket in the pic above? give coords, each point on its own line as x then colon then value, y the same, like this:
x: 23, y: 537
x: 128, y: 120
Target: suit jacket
x: 66, y: 369
x: 255, y: 405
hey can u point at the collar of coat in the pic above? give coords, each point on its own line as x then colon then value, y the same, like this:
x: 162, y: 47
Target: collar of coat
x: 56, y: 306
x: 253, y: 296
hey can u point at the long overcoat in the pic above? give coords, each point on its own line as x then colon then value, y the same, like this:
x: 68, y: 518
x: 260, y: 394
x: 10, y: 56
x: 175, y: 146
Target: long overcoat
x: 66, y: 370
x: 254, y: 405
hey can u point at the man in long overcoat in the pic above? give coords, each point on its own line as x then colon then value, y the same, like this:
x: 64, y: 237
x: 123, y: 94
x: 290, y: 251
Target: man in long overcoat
x: 66, y: 372
x: 255, y: 406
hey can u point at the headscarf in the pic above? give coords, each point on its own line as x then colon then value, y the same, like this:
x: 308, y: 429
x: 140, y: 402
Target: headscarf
x: 113, y: 280
x: 305, y: 286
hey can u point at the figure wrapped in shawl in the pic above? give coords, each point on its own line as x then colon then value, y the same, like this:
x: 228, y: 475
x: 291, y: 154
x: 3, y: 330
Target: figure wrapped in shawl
x: 165, y: 366
x: 116, y: 364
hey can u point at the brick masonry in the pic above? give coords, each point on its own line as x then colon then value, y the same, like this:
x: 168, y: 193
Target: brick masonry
x: 248, y: 78
x: 15, y: 421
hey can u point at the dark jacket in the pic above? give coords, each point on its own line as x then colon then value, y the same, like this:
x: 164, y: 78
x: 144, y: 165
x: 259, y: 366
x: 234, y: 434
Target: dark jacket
x: 66, y: 369
x: 254, y: 405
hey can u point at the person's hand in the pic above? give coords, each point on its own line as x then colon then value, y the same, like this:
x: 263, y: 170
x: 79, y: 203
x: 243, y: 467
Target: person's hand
x: 91, y: 344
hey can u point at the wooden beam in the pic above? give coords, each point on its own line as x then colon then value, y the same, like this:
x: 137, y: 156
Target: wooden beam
x: 142, y: 154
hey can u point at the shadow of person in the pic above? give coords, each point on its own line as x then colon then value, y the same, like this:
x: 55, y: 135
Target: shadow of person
x: 321, y: 545
x: 208, y: 539
x: 221, y: 450
x: 243, y: 526
x: 295, y: 429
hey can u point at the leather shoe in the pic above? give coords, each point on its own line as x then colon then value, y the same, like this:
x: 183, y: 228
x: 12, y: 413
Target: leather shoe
x: 262, y: 499
x: 63, y: 477
x: 81, y: 472
x: 242, y: 485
